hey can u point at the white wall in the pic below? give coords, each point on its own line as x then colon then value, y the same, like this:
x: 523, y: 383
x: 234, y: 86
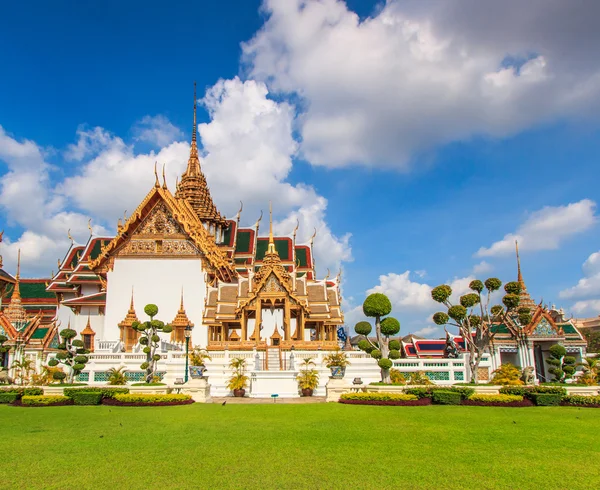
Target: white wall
x: 269, y: 320
x: 157, y: 281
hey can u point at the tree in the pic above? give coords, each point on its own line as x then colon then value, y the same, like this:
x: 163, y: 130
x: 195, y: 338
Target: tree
x: 22, y: 369
x: 72, y: 354
x: 378, y: 305
x: 591, y: 371
x: 593, y: 341
x: 150, y: 339
x: 563, y: 366
x: 476, y: 329
x: 116, y: 376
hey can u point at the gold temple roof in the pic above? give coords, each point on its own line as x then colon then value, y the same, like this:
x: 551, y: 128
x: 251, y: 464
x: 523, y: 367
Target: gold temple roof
x: 131, y: 315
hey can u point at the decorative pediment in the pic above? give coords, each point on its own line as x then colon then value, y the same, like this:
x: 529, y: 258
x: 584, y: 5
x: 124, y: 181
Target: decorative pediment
x: 545, y: 328
x: 159, y: 223
x: 272, y: 285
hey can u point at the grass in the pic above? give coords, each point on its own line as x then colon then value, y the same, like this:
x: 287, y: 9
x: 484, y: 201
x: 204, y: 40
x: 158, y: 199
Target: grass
x: 300, y: 446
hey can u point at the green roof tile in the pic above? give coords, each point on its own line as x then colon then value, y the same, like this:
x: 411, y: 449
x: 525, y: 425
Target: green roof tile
x: 39, y: 333
x: 243, y: 241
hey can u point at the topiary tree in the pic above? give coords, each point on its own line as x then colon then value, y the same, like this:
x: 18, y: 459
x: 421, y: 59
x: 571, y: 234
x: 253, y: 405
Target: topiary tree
x: 71, y: 353
x: 150, y: 339
x: 476, y: 329
x: 377, y: 305
x: 563, y: 366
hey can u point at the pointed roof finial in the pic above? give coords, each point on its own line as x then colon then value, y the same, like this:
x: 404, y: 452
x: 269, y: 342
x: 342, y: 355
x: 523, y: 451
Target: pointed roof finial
x: 181, y: 305
x: 164, y: 178
x: 18, y: 267
x: 90, y: 226
x: 519, y: 275
x: 156, y: 182
x: 131, y: 307
x: 194, y: 129
x: 69, y: 236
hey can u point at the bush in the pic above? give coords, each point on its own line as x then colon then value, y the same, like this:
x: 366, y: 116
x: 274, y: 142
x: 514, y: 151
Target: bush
x: 45, y: 400
x: 581, y: 400
x: 397, y: 377
x: 106, y: 392
x: 82, y: 397
x: 9, y: 397
x: 546, y: 399
x: 443, y: 397
x: 427, y: 392
x: 378, y: 396
x: 20, y: 391
x: 496, y: 398
x: 507, y: 374
x: 150, y: 399
x: 529, y: 391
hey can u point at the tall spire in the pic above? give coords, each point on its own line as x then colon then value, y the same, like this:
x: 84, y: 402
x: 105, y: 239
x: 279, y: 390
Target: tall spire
x: 519, y: 275
x: 193, y: 187
x: 16, y: 311
x: 271, y: 249
x: 525, y: 298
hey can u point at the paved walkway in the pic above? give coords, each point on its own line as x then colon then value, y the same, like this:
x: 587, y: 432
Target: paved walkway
x: 304, y: 399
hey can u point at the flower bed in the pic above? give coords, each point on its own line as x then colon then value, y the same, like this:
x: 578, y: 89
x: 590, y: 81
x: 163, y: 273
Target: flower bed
x: 395, y: 399
x: 485, y: 400
x: 45, y: 401
x: 147, y: 400
x: 581, y: 401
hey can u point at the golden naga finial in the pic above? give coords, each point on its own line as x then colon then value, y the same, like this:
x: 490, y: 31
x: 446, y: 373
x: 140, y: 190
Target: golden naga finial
x: 69, y: 236
x: 156, y: 182
x: 338, y: 278
x: 327, y: 276
x: 258, y: 221
x: 90, y: 226
x: 239, y: 213
x: 58, y: 262
x: 296, y: 229
x: 164, y: 178
x: 312, y: 238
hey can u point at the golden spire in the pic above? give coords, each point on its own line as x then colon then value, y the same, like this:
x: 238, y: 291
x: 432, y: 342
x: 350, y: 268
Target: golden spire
x: 519, y: 275
x: 15, y: 312
x: 180, y: 322
x: 131, y: 315
x: 193, y: 187
x: 271, y: 249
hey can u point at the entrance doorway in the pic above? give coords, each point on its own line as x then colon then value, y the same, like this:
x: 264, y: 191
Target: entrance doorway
x: 539, y: 363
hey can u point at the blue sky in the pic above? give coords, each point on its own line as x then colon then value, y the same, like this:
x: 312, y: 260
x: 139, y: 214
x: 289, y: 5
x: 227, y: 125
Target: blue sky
x: 419, y: 138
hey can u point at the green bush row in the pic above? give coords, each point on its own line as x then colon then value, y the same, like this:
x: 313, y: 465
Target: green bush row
x: 446, y: 397
x: 143, y: 398
x: 427, y: 392
x: 374, y: 396
x: 21, y: 391
x: 530, y: 390
x: 106, y: 392
x: 546, y: 399
x: 496, y: 398
x: 581, y: 400
x: 87, y: 397
x: 44, y: 400
x: 9, y: 397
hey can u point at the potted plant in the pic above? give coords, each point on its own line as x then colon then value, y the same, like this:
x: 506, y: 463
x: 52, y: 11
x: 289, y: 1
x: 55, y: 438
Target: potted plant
x: 238, y: 380
x: 308, y: 378
x: 197, y: 358
x: 336, y: 361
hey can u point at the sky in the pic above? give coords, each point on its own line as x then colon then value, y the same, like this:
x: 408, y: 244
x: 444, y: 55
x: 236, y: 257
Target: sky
x: 420, y: 139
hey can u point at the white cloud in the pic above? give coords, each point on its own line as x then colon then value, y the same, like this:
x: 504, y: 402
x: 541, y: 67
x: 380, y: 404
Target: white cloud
x: 586, y: 292
x: 546, y: 229
x: 482, y: 268
x: 428, y: 332
x: 410, y: 78
x: 157, y: 130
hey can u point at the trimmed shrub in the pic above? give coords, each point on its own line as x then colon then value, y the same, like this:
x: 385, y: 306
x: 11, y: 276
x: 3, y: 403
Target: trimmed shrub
x: 150, y: 399
x: 546, y: 399
x: 106, y: 392
x: 23, y: 391
x: 32, y: 391
x: 378, y: 396
x: 9, y: 397
x: 529, y: 391
x: 443, y: 397
x: 149, y: 384
x: 582, y: 401
x: 496, y: 398
x: 87, y: 397
x: 45, y: 400
x: 464, y: 391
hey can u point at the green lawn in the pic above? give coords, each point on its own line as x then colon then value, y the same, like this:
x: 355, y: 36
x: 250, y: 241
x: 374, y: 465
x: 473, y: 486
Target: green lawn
x: 299, y: 446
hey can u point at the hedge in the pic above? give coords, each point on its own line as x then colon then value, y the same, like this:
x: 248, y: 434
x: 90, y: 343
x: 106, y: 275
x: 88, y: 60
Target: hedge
x: 21, y: 391
x: 378, y: 396
x: 9, y: 397
x: 148, y: 400
x: 528, y: 391
x: 546, y: 399
x: 427, y: 392
x: 106, y: 392
x: 496, y: 398
x: 45, y: 400
x: 87, y: 397
x: 443, y: 397
x: 582, y: 401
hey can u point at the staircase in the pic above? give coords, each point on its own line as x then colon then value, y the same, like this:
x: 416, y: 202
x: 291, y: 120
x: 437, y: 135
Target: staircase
x: 273, y: 359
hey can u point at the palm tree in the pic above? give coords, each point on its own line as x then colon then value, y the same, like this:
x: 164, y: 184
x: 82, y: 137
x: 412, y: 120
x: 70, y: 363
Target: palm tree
x: 591, y: 370
x: 117, y: 376
x: 22, y: 369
